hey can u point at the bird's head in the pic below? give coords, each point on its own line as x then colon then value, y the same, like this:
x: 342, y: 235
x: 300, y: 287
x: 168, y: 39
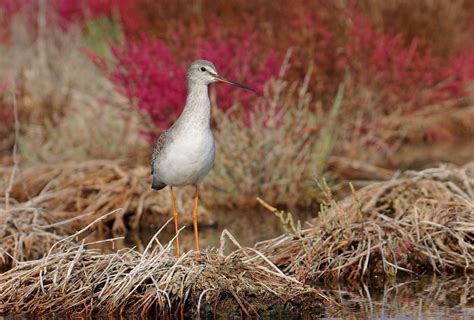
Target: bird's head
x: 203, y: 71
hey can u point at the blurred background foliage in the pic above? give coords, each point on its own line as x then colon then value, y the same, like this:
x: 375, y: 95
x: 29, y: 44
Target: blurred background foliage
x: 99, y: 79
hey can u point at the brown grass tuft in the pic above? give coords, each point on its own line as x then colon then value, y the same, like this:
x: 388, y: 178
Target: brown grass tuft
x: 26, y: 233
x: 421, y: 222
x: 97, y: 187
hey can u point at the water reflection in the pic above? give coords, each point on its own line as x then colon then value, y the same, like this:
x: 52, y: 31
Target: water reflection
x: 421, y: 298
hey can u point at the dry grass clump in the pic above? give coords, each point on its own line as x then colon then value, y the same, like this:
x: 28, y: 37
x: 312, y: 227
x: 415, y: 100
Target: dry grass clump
x: 26, y: 233
x: 97, y: 187
x: 88, y: 129
x: 271, y: 151
x: 73, y: 278
x: 421, y: 222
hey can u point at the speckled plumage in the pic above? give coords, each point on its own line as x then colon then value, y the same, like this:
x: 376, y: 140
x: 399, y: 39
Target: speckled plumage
x: 160, y: 143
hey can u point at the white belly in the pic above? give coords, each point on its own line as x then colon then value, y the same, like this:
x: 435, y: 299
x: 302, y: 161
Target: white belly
x: 187, y: 159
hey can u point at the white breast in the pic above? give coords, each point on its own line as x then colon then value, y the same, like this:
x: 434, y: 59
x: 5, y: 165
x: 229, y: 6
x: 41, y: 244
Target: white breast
x: 188, y: 159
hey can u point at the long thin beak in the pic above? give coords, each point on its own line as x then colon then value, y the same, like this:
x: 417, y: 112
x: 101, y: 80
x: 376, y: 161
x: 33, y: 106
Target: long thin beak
x: 222, y: 79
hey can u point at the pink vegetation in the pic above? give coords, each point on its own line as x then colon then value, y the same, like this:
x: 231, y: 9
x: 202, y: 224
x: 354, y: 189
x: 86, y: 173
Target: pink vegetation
x: 148, y: 73
x: 151, y: 72
x: 403, y: 74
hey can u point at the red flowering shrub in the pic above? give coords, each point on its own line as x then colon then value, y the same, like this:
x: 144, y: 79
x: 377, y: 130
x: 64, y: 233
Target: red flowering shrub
x: 401, y: 74
x: 148, y: 73
x: 332, y: 36
x: 237, y: 58
x: 397, y: 68
x: 67, y: 12
x: 76, y: 11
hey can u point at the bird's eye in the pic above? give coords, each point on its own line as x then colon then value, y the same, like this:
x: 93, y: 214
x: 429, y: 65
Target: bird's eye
x: 203, y: 69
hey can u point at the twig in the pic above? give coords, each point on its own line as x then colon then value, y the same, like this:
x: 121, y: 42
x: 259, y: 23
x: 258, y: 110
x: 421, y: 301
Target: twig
x: 15, y: 146
x: 266, y: 205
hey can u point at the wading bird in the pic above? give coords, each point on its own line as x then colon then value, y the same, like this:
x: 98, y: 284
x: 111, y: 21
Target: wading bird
x: 185, y: 153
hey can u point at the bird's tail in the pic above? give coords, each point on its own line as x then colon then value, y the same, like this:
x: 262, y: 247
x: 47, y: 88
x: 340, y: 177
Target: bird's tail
x: 157, y: 185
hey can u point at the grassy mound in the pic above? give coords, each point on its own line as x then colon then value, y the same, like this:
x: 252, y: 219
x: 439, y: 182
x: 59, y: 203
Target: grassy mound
x: 71, y: 277
x: 420, y: 222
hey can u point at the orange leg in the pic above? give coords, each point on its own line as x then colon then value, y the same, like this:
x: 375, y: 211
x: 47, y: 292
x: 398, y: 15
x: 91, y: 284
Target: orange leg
x: 195, y: 220
x: 175, y: 216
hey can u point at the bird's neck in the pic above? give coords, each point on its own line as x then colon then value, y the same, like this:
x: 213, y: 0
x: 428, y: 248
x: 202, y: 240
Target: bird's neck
x: 198, y: 106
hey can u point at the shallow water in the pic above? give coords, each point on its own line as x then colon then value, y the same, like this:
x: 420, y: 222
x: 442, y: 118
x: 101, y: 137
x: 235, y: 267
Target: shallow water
x: 426, y: 298
x: 246, y: 226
